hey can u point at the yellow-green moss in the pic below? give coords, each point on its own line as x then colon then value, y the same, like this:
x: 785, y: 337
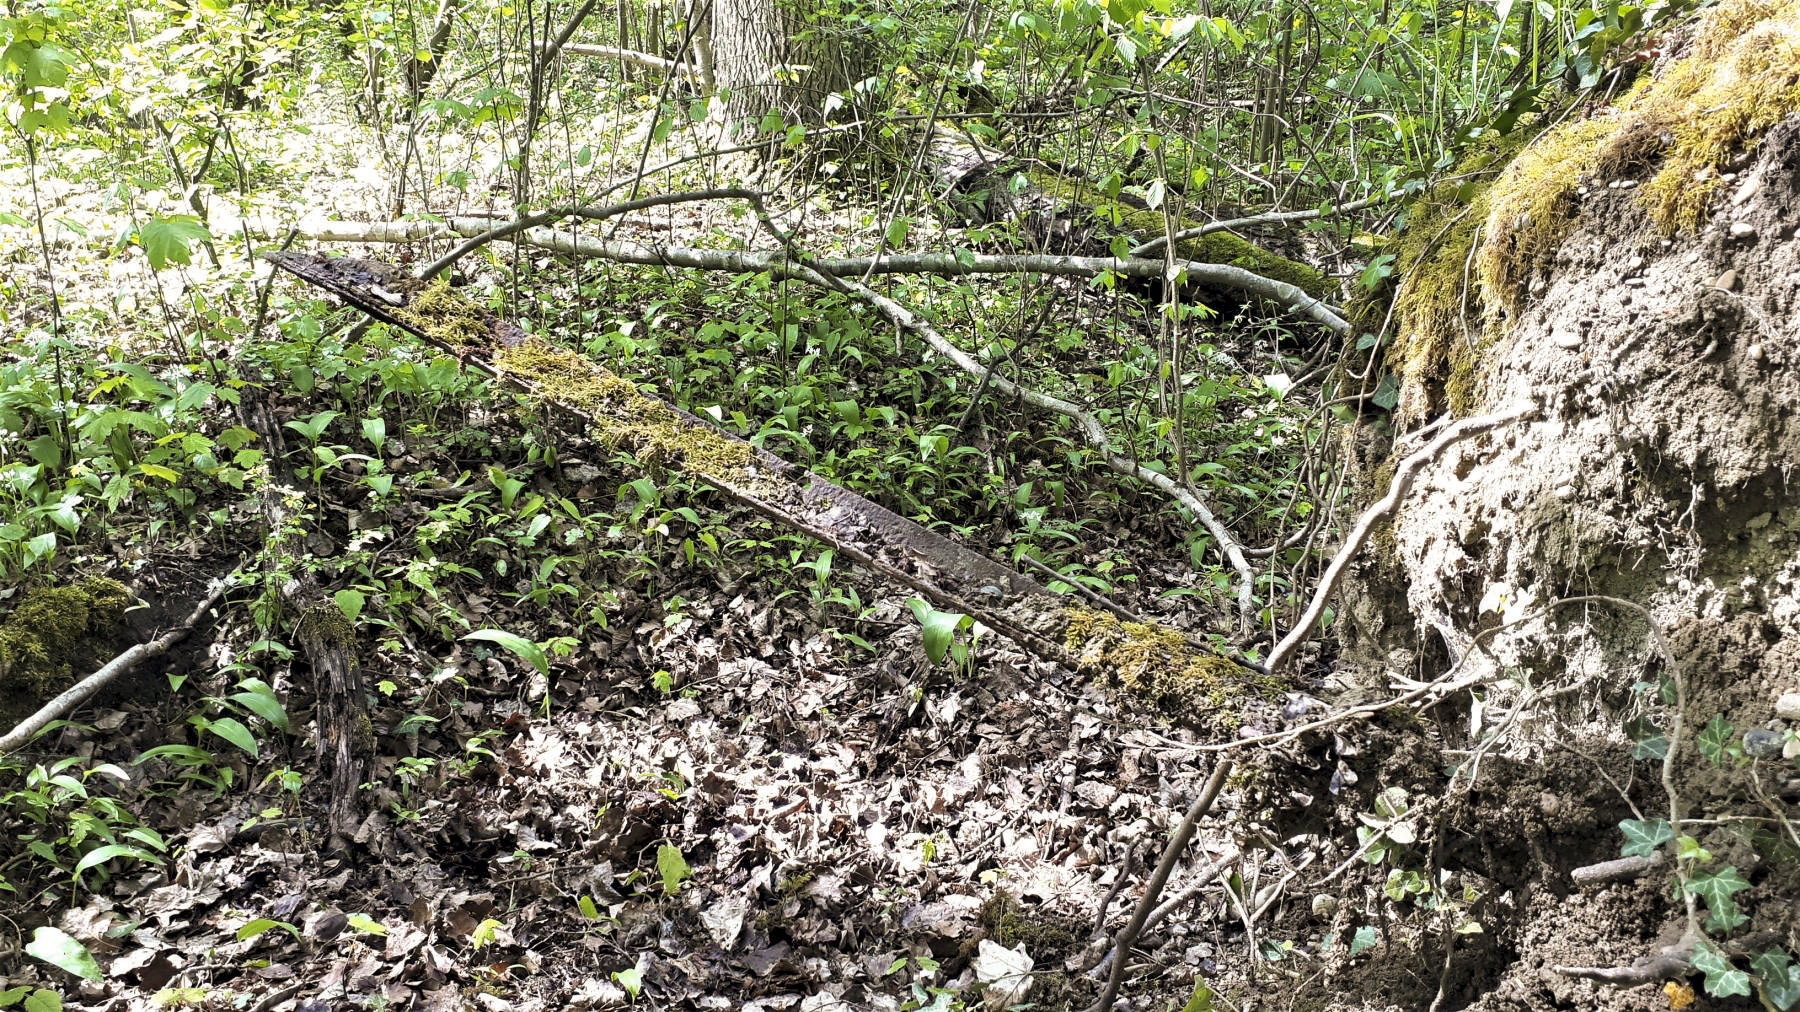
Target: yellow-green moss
x: 1213, y: 248
x: 1009, y: 923
x: 329, y: 624
x: 1742, y: 78
x: 53, y: 631
x: 1470, y: 252
x: 1531, y: 208
x: 445, y: 315
x: 655, y: 433
x: 1157, y: 663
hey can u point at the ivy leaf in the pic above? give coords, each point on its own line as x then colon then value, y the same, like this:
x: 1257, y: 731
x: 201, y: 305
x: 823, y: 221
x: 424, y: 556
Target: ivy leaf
x: 1780, y: 979
x: 1722, y: 979
x: 1715, y: 740
x: 1649, y: 741
x: 1718, y: 886
x: 1643, y: 837
x: 166, y: 239
x: 1363, y: 940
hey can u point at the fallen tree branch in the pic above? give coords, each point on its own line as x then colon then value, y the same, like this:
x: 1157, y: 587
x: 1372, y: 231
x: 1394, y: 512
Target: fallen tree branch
x: 75, y: 694
x: 835, y: 275
x: 632, y: 56
x: 530, y: 231
x: 1397, y: 489
x: 1128, y: 935
x: 1619, y: 868
x: 1151, y: 246
x: 1090, y: 428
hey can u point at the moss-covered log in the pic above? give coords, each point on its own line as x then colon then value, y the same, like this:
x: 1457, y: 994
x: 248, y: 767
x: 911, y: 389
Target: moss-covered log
x: 896, y: 549
x: 1066, y: 215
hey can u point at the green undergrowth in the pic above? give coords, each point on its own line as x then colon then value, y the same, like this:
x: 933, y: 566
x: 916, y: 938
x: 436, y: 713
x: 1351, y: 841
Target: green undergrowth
x: 1116, y: 215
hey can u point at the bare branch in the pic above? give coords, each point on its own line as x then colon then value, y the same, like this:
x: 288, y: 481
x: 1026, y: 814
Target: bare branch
x: 1397, y: 489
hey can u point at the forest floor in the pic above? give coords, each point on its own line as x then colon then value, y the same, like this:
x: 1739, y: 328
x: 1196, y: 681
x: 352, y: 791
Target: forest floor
x: 722, y: 802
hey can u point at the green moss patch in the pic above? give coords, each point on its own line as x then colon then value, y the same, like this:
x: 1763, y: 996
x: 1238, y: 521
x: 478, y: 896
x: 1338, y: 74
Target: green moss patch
x: 447, y: 316
x: 1157, y: 663
x: 655, y: 433
x: 1471, y: 251
x: 1742, y: 78
x: 53, y: 633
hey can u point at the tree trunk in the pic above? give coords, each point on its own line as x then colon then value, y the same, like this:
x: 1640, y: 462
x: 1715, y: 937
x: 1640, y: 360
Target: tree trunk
x: 768, y: 58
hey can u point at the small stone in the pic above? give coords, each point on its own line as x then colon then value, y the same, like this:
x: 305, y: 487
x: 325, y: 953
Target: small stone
x: 1566, y: 338
x: 1787, y: 707
x: 1727, y: 281
x: 1634, y: 265
x: 1324, y: 905
x: 1761, y: 744
x: 1754, y: 353
x: 1742, y: 230
x: 1564, y: 492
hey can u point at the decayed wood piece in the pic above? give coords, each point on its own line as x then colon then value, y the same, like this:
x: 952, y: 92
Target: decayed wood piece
x: 345, y: 738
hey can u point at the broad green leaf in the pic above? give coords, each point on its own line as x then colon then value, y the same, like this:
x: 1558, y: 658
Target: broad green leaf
x: 259, y: 698
x: 166, y: 239
x: 940, y: 628
x: 256, y: 927
x: 233, y: 730
x: 54, y: 946
x: 350, y: 602
x: 519, y: 645
x: 1363, y: 940
x: 631, y: 980
x: 588, y: 909
x: 43, y: 1000
x: 100, y: 855
x: 673, y: 868
x: 366, y: 924
x: 1643, y: 837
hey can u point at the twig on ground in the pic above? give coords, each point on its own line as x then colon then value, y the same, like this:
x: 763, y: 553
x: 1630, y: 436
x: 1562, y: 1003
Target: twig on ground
x: 1614, y: 870
x: 1093, y: 597
x: 1166, y: 867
